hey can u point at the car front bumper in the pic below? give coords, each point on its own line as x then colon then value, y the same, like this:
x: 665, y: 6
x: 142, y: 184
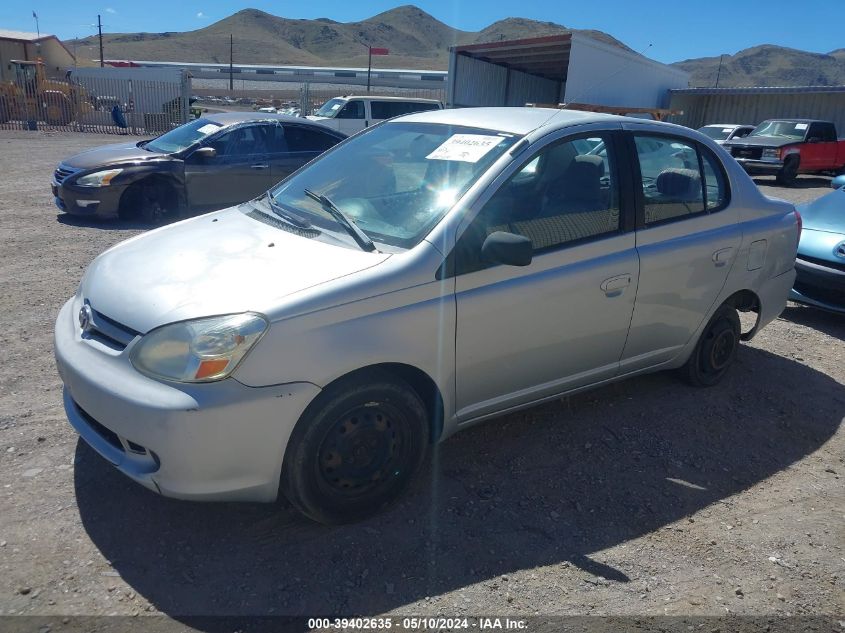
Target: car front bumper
x: 819, y: 286
x: 219, y: 441
x: 753, y: 166
x: 101, y: 202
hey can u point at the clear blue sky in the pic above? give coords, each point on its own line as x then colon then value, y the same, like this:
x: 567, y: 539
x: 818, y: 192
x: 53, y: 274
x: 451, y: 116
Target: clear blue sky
x: 677, y: 30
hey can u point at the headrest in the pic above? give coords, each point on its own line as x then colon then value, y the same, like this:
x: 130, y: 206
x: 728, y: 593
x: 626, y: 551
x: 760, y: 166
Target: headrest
x: 679, y: 183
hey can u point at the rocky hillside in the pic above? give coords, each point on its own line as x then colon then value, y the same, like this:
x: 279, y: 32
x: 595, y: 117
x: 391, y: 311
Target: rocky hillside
x: 415, y: 40
x: 768, y: 65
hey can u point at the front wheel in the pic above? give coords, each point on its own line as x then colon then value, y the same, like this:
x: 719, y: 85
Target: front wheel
x: 716, y: 349
x: 789, y: 172
x: 356, y: 449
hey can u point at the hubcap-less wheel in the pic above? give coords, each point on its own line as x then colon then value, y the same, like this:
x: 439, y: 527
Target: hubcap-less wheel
x: 356, y: 447
x: 361, y: 450
x: 722, y: 349
x: 716, y: 349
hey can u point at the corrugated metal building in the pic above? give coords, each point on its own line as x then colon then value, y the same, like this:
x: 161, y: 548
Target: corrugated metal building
x: 557, y: 69
x: 21, y: 46
x: 702, y: 106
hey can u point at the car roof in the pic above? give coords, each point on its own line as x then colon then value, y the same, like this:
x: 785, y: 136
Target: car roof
x: 513, y: 120
x: 726, y: 125
x: 231, y: 118
x: 383, y: 98
x: 791, y: 120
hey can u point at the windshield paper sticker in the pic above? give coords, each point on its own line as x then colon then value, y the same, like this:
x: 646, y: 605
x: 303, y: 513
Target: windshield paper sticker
x: 208, y: 128
x: 467, y: 148
x: 800, y: 126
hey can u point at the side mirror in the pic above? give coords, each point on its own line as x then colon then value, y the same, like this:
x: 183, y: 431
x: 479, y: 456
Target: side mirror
x: 508, y: 248
x: 838, y: 182
x: 205, y: 153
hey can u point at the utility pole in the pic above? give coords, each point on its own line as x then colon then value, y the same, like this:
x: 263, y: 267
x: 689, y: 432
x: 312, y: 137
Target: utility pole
x: 231, y: 48
x: 719, y: 71
x: 37, y: 28
x: 100, y: 30
x: 369, y: 66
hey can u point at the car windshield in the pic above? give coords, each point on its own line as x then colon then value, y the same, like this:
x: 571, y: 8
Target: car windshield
x: 183, y: 136
x: 782, y: 129
x: 330, y: 108
x: 395, y: 181
x: 716, y: 132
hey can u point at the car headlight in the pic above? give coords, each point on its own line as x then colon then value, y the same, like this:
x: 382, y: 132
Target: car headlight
x: 98, y: 178
x: 771, y: 153
x: 200, y: 350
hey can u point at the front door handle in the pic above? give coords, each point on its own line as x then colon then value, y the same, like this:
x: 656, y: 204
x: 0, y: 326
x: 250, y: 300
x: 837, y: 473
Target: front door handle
x: 722, y: 256
x: 615, y: 285
x: 260, y: 166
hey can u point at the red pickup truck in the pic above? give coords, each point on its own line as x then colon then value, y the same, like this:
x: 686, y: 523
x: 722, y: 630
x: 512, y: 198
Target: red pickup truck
x: 788, y: 147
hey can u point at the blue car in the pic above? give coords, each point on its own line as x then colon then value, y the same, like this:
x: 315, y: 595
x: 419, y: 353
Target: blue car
x: 820, y: 264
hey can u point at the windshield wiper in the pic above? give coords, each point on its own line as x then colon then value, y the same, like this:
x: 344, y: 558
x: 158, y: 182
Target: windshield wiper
x: 288, y: 216
x: 362, y: 239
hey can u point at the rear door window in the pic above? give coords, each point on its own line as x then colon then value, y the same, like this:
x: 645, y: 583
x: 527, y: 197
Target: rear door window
x: 298, y: 138
x: 679, y: 179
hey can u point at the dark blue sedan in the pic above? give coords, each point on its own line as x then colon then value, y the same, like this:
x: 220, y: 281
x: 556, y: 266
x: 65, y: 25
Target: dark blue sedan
x: 820, y: 264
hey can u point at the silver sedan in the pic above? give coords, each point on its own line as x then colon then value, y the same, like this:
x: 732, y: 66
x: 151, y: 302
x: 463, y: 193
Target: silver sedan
x: 435, y: 271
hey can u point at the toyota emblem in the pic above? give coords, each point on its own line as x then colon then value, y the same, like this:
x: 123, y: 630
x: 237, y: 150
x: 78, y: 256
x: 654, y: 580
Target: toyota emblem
x: 85, y: 314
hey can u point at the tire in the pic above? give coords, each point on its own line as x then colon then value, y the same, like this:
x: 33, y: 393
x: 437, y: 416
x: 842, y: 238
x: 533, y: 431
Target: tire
x: 355, y: 449
x: 788, y: 173
x: 147, y: 202
x: 716, y: 349
x: 57, y: 109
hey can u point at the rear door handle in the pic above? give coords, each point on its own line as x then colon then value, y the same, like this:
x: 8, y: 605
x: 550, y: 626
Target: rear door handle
x: 260, y: 166
x: 723, y: 256
x: 615, y: 285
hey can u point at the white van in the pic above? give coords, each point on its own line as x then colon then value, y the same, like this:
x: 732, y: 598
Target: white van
x: 352, y: 114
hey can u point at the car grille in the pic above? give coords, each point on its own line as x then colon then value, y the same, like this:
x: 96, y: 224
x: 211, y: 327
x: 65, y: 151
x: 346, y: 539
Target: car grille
x: 62, y: 173
x: 823, y: 262
x: 754, y: 153
x: 107, y: 434
x: 109, y: 332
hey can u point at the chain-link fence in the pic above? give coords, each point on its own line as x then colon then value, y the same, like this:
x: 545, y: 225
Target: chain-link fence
x: 91, y: 102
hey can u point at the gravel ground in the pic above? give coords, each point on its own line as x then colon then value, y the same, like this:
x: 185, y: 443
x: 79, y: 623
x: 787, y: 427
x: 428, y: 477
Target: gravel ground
x: 646, y: 497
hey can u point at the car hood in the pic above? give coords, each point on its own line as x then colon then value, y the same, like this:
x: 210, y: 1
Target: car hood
x: 761, y: 141
x: 109, y: 155
x: 826, y: 213
x: 220, y: 263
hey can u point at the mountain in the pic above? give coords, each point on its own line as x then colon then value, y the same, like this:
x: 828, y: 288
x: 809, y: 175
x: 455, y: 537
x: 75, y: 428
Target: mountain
x: 768, y: 65
x: 415, y: 40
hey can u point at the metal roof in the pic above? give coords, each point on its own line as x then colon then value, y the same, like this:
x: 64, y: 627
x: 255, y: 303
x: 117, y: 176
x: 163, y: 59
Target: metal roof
x: 751, y: 90
x: 23, y: 36
x: 542, y: 56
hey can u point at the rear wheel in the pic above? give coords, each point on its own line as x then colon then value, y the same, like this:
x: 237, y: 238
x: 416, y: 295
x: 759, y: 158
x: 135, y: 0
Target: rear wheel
x: 355, y: 449
x: 716, y: 349
x: 789, y: 172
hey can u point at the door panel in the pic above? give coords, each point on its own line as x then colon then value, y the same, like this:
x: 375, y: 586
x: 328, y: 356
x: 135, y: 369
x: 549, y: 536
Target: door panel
x: 525, y: 333
x: 687, y: 241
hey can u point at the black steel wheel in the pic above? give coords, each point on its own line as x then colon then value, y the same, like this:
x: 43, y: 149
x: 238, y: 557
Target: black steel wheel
x: 789, y: 172
x: 355, y: 449
x: 716, y: 349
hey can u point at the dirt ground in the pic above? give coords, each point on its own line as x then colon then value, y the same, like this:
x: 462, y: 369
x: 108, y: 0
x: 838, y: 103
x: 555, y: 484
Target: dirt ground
x: 646, y: 497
